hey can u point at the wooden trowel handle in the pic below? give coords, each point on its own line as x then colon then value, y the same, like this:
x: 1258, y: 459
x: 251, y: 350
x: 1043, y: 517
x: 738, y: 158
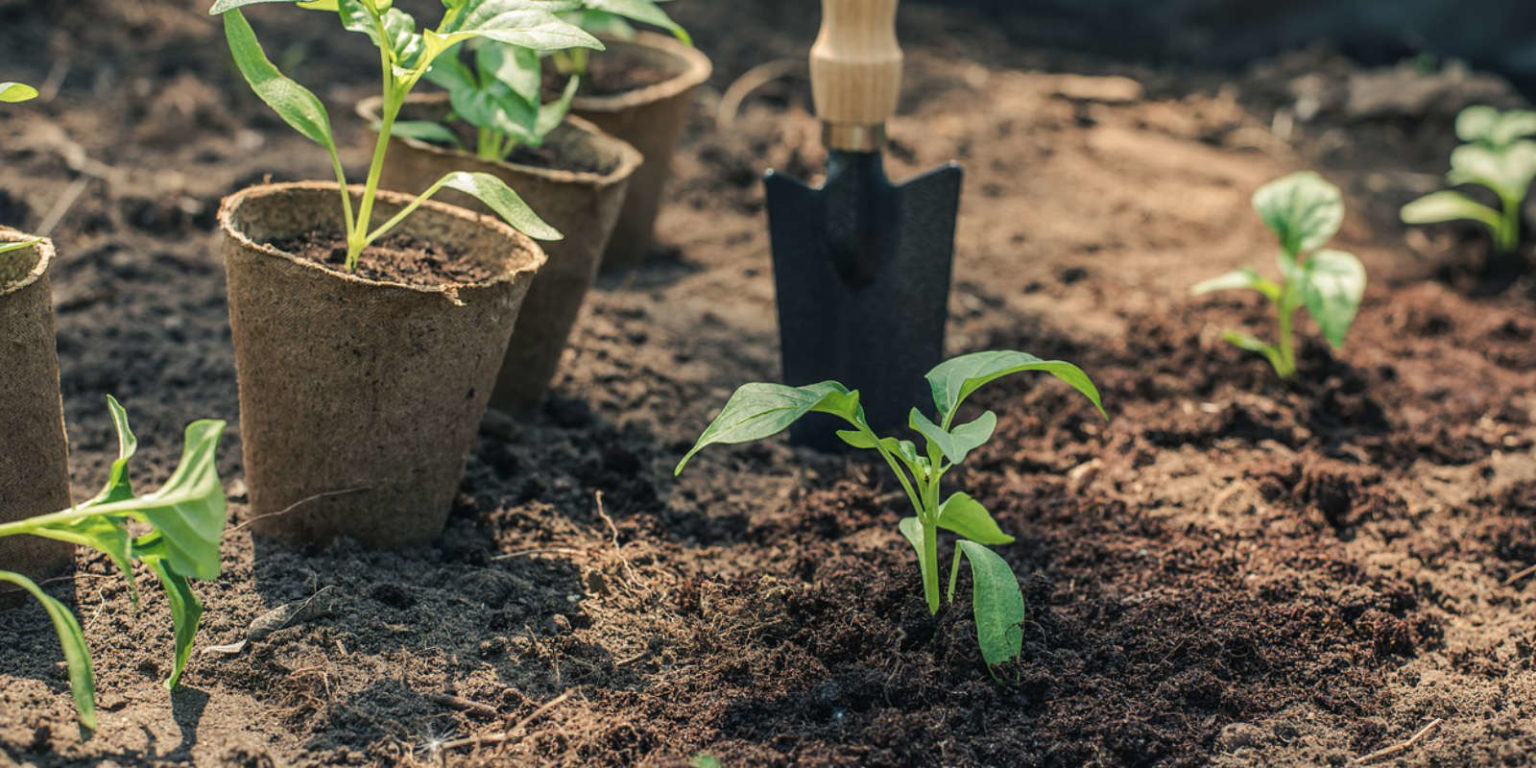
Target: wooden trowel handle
x: 856, y: 72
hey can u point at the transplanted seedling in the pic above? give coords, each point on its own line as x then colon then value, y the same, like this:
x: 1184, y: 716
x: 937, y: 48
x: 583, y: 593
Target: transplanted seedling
x: 405, y: 57
x: 500, y: 91
x: 185, y: 521
x: 1499, y: 156
x: 11, y: 93
x: 761, y: 410
x: 1304, y: 212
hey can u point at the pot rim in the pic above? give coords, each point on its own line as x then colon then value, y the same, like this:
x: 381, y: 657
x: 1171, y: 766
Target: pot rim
x: 45, y: 257
x: 698, y: 69
x: 629, y: 158
x: 526, y: 259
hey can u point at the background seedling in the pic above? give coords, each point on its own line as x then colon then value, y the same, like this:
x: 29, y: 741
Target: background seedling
x: 186, y: 520
x: 761, y: 410
x: 1498, y: 156
x: 1304, y: 212
x: 611, y: 18
x: 405, y: 56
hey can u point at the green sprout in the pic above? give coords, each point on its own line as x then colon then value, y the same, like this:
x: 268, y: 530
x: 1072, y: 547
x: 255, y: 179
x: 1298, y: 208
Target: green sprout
x: 1497, y: 155
x: 501, y: 96
x: 611, y: 18
x: 11, y: 93
x: 186, y: 520
x: 405, y: 57
x: 761, y: 410
x: 1304, y: 212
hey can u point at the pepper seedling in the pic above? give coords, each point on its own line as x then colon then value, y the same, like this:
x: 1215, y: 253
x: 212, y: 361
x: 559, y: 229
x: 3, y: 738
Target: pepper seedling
x: 761, y: 410
x: 405, y: 57
x: 1499, y: 156
x: 500, y: 95
x: 186, y: 520
x: 1304, y: 212
x: 611, y: 18
x: 12, y: 93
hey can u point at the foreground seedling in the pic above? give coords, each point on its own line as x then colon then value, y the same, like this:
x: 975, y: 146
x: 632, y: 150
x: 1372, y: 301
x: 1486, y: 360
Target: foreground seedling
x: 1304, y: 212
x: 760, y: 410
x: 405, y: 57
x: 185, y: 521
x: 1499, y: 156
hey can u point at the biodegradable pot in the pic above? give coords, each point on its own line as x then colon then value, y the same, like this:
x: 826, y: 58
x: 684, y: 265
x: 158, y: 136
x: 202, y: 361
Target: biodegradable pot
x: 359, y: 399
x: 652, y: 120
x: 34, y: 455
x: 583, y: 204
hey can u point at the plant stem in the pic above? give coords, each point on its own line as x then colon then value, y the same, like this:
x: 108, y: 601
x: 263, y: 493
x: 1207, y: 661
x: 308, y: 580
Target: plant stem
x: 1285, y: 363
x: 954, y: 576
x: 1508, y: 236
x: 394, y: 98
x: 931, y: 559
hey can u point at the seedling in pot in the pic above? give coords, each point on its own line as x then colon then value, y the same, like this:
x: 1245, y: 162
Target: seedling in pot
x: 1499, y: 156
x: 185, y: 521
x: 761, y: 410
x: 11, y: 93
x: 1304, y: 212
x: 611, y: 18
x: 405, y: 57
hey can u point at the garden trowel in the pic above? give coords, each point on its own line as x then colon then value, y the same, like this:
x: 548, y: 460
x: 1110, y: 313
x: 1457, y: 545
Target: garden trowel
x: 862, y: 266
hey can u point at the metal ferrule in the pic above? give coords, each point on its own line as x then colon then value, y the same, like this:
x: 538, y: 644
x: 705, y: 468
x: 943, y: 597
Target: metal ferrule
x: 850, y: 137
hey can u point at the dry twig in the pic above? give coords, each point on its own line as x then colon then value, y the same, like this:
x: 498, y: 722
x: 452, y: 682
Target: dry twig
x: 1397, y: 749
x: 516, y: 731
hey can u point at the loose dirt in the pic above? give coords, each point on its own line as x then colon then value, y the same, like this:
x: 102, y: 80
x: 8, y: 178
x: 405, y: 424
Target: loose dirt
x: 1234, y: 571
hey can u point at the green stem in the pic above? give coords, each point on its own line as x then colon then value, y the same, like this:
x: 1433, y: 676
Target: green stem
x: 394, y: 98
x: 1285, y: 364
x: 1509, y: 226
x: 930, y: 562
x: 954, y: 576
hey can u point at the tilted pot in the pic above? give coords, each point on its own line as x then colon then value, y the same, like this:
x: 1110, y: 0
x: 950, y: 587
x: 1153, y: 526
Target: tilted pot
x: 581, y: 197
x: 360, y: 399
x: 34, y: 454
x: 652, y: 120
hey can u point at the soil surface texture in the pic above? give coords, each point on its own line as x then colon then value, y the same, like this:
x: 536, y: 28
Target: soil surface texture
x: 395, y: 258
x: 1233, y: 572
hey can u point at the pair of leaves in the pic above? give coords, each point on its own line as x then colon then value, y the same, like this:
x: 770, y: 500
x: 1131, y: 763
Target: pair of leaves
x: 1305, y: 212
x: 1498, y: 155
x: 997, y: 602
x: 1485, y: 125
x: 186, y: 516
x: 502, y: 93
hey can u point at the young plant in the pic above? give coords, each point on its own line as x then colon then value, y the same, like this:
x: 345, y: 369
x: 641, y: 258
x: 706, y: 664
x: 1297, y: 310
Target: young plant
x: 1304, y: 212
x: 405, y: 56
x: 185, y: 521
x: 501, y: 96
x: 11, y: 93
x: 1498, y: 156
x: 611, y: 18
x: 761, y: 410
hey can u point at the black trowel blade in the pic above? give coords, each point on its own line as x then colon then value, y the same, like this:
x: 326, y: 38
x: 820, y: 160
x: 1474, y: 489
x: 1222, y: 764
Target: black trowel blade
x: 863, y: 270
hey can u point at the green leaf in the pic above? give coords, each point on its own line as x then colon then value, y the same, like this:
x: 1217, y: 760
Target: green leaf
x: 186, y: 610
x: 500, y: 198
x: 294, y: 103
x: 400, y: 39
x: 955, y: 380
x: 759, y: 410
x: 514, y: 22
x: 1477, y: 123
x: 77, y: 655
x: 8, y: 247
x: 11, y: 93
x: 223, y: 6
x: 551, y: 115
x: 516, y: 68
x: 997, y: 603
x: 424, y: 130
x: 1302, y: 209
x: 965, y: 516
x: 643, y: 11
x: 1449, y: 205
x: 1494, y: 129
x: 606, y: 25
x: 1334, y: 286
x: 1247, y: 342
x: 957, y: 443
x: 119, y: 486
x: 1508, y: 171
x: 1239, y: 279
x: 912, y: 529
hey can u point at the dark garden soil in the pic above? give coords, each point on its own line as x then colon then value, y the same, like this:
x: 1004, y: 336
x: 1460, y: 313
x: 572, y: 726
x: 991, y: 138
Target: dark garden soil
x: 395, y: 258
x: 1233, y: 572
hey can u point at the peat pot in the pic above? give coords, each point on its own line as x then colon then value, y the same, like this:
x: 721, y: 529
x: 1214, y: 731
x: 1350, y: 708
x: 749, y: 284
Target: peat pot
x: 651, y: 119
x: 359, y: 399
x: 34, y: 456
x: 576, y: 181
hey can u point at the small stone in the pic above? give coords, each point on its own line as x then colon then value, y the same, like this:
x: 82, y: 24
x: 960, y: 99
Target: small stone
x: 1239, y: 736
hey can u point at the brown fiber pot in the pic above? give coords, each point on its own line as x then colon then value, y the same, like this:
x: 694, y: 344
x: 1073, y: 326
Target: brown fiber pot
x: 583, y: 205
x: 359, y: 400
x: 651, y: 120
x: 34, y: 455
